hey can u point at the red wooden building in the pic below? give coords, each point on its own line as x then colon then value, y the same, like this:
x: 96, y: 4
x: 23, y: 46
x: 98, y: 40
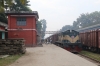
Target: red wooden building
x: 23, y: 25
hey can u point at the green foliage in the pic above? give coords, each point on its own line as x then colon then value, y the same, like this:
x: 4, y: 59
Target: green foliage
x: 18, y: 6
x: 84, y: 20
x: 75, y: 25
x: 12, y: 5
x: 41, y: 27
x: 66, y: 27
x: 4, y: 4
x: 3, y: 18
x: 87, y: 19
x: 1, y: 5
x: 43, y: 21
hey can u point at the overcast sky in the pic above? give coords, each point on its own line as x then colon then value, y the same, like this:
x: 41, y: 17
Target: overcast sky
x: 58, y: 13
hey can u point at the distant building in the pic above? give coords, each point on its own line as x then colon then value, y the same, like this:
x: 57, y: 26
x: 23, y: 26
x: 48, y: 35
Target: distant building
x: 23, y: 25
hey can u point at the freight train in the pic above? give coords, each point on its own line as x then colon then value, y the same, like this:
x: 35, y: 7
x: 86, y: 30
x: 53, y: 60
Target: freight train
x: 91, y: 40
x: 68, y: 40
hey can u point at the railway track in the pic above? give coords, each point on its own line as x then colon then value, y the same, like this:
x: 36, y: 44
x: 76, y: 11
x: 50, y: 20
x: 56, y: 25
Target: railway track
x: 89, y: 59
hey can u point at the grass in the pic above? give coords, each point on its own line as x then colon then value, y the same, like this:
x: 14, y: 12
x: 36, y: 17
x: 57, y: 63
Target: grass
x: 91, y: 55
x: 8, y: 60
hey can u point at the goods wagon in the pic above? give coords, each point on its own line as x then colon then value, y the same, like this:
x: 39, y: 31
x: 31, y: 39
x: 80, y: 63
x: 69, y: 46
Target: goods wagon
x: 68, y: 40
x: 91, y: 40
x: 54, y: 38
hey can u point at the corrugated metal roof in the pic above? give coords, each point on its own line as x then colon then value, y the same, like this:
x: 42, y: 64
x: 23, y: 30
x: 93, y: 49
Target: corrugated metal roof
x: 94, y: 27
x: 22, y: 13
x: 3, y: 24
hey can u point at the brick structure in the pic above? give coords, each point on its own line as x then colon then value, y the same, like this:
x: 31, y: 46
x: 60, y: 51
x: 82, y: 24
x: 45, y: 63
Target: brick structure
x: 23, y: 25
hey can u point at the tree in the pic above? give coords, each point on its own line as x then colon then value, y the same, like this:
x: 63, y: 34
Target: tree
x: 43, y: 21
x: 8, y: 4
x: 66, y: 27
x: 39, y: 26
x: 75, y: 25
x: 2, y: 5
x: 3, y: 18
x: 86, y: 20
x: 12, y: 5
x: 18, y: 6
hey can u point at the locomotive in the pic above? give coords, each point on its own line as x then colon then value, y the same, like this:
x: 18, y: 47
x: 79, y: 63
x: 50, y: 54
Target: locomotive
x: 68, y: 40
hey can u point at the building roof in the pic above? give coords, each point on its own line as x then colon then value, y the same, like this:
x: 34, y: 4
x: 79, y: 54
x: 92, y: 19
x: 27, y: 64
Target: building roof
x: 3, y: 24
x: 22, y: 13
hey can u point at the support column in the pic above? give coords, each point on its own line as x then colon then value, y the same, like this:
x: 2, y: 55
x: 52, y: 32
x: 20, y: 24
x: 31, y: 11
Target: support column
x: 3, y: 35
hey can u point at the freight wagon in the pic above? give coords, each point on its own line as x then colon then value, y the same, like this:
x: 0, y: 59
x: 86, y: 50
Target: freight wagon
x: 91, y: 40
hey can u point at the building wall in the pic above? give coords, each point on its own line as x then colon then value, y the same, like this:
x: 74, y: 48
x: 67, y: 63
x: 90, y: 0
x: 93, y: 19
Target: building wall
x: 2, y: 28
x: 28, y: 32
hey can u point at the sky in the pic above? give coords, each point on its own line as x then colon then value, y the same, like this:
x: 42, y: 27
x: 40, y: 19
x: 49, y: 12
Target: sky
x: 58, y: 13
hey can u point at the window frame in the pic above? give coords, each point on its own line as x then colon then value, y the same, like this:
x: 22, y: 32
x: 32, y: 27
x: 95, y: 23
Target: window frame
x: 21, y: 21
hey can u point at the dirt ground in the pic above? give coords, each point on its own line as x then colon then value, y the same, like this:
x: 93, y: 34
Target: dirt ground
x: 50, y: 55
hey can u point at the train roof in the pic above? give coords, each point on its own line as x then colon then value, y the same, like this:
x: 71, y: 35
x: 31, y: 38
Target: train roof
x: 94, y: 27
x: 69, y: 31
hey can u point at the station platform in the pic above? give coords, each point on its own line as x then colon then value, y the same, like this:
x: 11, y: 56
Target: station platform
x: 51, y: 55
